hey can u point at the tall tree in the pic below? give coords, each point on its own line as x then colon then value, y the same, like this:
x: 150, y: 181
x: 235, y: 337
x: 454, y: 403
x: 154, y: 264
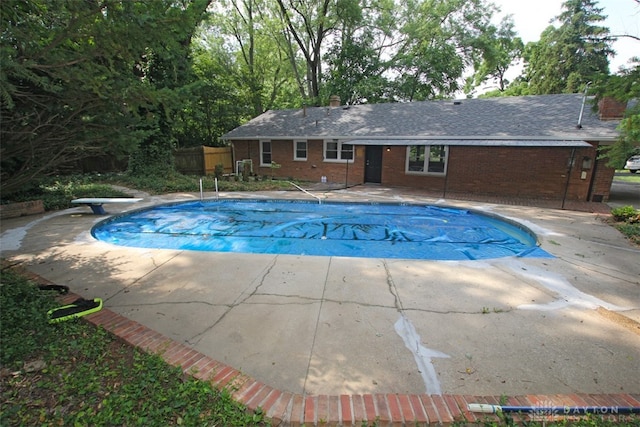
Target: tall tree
x: 438, y: 42
x: 166, y: 67
x: 499, y: 49
x: 308, y: 24
x: 218, y: 100
x: 62, y: 97
x: 86, y: 77
x: 355, y: 62
x: 624, y: 87
x: 571, y: 55
x: 254, y: 50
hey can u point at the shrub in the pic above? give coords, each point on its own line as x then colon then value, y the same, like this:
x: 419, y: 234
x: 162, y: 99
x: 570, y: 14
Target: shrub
x: 632, y: 231
x: 219, y: 170
x: 626, y: 214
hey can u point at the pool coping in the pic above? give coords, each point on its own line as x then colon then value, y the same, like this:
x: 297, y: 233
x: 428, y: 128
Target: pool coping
x: 282, y: 408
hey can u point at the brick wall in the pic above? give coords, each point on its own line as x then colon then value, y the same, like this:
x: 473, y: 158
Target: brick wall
x: 601, y: 187
x: 611, y: 109
x: 393, y: 175
x: 537, y: 172
x: 310, y: 170
x: 518, y: 172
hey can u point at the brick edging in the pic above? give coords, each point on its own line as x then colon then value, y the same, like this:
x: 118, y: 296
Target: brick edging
x: 284, y: 408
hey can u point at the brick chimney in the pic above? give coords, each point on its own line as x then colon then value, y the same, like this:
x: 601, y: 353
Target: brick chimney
x: 334, y: 101
x: 611, y: 109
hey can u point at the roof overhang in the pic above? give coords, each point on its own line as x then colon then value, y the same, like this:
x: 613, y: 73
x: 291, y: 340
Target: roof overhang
x: 474, y: 142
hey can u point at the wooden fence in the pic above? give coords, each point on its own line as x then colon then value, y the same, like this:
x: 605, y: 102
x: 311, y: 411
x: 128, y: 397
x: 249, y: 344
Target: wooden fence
x: 202, y: 160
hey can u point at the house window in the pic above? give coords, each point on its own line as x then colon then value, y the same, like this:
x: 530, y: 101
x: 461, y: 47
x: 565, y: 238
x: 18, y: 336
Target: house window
x: 299, y: 150
x: 265, y: 153
x: 337, y: 151
x: 427, y: 159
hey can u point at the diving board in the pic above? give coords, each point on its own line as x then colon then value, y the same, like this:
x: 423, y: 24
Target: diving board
x: 96, y: 203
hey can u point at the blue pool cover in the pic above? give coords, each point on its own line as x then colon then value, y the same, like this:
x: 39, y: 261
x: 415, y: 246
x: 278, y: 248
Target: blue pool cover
x: 370, y: 230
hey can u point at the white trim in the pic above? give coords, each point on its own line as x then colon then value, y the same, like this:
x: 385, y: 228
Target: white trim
x: 339, y: 158
x: 426, y: 161
x: 262, y: 141
x: 295, y: 150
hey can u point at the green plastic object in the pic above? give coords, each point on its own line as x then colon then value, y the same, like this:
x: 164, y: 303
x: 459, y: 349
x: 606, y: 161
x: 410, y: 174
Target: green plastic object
x: 78, y: 308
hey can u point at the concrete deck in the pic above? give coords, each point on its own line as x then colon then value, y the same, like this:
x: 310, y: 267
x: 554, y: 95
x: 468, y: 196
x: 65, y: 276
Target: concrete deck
x: 301, y: 329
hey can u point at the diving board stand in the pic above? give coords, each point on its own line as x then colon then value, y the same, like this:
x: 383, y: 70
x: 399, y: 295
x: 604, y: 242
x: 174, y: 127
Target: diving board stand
x: 96, y: 203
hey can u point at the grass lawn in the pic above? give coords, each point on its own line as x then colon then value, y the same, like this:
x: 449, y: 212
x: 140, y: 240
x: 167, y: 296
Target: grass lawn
x: 73, y: 374
x: 626, y: 176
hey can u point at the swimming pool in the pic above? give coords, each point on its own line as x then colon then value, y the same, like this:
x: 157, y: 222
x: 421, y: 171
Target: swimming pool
x: 370, y: 230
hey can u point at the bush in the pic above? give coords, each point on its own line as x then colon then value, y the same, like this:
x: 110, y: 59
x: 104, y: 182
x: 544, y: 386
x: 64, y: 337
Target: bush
x: 626, y: 214
x: 632, y: 231
x: 628, y: 222
x: 57, y: 192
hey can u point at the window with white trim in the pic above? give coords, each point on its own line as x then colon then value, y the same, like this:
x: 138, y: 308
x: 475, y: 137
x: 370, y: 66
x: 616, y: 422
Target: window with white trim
x: 265, y: 153
x: 427, y: 159
x: 299, y: 150
x: 337, y: 151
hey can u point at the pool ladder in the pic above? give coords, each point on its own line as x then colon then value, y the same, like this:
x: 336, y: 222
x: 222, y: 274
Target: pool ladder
x: 305, y: 191
x: 217, y: 193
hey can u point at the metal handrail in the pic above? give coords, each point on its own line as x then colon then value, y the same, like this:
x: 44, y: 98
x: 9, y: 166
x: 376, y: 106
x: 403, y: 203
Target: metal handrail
x: 305, y: 191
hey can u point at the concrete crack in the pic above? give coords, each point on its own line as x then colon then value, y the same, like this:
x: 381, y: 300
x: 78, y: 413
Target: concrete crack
x: 392, y: 288
x: 315, y: 332
x: 154, y: 269
x: 195, y: 339
x: 405, y: 329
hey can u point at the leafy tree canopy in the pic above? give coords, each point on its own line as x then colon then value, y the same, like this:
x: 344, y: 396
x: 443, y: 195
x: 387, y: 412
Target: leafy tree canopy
x: 566, y: 58
x: 624, y: 87
x: 86, y: 77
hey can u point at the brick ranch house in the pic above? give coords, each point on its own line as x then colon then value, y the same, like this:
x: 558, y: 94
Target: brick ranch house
x: 542, y: 147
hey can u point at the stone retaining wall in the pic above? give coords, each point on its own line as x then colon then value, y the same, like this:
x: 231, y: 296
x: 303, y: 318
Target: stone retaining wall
x: 15, y: 210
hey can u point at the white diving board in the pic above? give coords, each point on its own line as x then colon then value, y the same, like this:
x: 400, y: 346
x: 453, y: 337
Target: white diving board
x: 96, y: 203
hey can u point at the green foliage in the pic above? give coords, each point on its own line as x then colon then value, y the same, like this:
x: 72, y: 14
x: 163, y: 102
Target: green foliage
x: 81, y: 78
x: 218, y: 170
x: 57, y: 192
x: 566, y: 58
x: 631, y: 230
x: 23, y: 318
x: 627, y: 177
x: 628, y: 222
x: 624, y: 87
x: 355, y: 70
x: 182, y: 183
x: 89, y: 378
x: 439, y: 39
x: 626, y: 213
x: 376, y: 50
x: 499, y: 49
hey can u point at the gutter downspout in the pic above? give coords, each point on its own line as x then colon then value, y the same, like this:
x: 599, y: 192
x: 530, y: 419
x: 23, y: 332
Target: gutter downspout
x: 566, y: 186
x: 592, y: 181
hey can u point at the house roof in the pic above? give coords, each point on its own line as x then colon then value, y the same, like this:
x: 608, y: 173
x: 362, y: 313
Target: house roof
x: 523, y: 120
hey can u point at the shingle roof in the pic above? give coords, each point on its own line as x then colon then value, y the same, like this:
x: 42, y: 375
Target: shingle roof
x: 523, y: 117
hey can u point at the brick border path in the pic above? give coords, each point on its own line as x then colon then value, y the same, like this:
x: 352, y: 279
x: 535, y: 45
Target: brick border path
x: 289, y: 409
